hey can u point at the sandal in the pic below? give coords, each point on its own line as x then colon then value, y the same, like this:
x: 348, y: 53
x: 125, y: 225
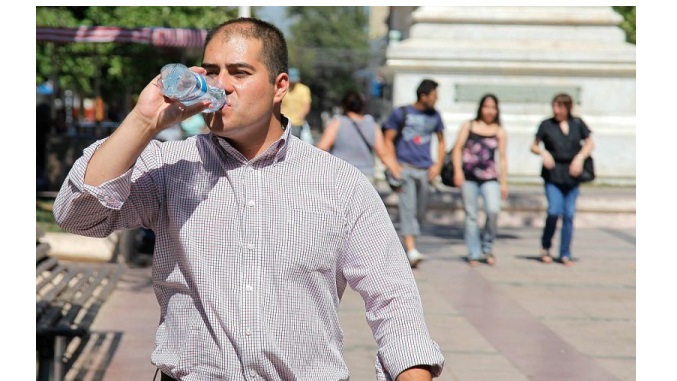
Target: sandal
x: 566, y: 261
x: 473, y: 262
x: 491, y: 259
x: 545, y: 256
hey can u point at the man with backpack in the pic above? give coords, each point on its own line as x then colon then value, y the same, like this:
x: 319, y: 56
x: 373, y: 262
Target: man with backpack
x: 408, y: 132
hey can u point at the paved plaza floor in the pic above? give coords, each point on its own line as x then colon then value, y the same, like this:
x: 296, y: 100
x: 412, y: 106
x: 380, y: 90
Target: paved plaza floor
x: 518, y: 320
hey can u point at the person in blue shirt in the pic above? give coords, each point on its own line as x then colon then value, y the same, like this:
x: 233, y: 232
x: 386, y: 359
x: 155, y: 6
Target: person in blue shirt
x: 408, y: 133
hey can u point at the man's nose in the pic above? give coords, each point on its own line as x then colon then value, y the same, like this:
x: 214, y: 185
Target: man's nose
x: 227, y: 84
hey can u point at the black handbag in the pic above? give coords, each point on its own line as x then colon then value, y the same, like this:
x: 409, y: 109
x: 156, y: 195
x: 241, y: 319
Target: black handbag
x: 447, y: 173
x: 588, y: 173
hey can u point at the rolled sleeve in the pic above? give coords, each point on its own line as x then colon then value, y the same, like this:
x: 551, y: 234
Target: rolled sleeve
x: 111, y: 194
x: 376, y: 267
x: 408, y: 351
x: 96, y: 211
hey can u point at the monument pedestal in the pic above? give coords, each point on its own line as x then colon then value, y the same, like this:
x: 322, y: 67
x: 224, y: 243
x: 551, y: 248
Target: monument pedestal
x: 525, y: 55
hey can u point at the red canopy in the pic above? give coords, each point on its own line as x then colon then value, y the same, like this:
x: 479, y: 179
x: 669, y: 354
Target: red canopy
x: 179, y: 37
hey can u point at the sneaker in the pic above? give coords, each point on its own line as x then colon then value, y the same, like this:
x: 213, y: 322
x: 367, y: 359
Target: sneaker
x: 415, y: 257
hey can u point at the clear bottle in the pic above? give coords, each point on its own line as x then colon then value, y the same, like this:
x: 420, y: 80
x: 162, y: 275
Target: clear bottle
x: 180, y: 83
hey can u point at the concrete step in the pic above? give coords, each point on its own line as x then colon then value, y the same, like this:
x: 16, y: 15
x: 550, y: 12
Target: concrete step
x: 597, y: 207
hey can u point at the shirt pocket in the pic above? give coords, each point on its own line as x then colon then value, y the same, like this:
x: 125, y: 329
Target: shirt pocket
x: 310, y: 241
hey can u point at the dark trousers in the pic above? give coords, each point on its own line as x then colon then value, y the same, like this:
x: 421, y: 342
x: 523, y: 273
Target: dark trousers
x: 165, y: 377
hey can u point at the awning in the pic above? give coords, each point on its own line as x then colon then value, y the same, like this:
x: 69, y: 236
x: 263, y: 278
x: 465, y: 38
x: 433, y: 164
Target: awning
x: 179, y: 37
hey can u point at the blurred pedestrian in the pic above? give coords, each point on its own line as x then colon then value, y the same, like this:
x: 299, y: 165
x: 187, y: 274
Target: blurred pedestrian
x: 567, y: 142
x: 478, y: 174
x: 194, y: 125
x: 296, y: 104
x: 258, y: 234
x: 409, y: 131
x: 354, y: 136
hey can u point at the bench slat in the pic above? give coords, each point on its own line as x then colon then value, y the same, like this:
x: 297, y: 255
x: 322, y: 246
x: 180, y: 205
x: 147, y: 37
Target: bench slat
x: 41, y: 251
x: 92, y: 280
x: 72, y: 296
x: 69, y: 296
x: 45, y: 265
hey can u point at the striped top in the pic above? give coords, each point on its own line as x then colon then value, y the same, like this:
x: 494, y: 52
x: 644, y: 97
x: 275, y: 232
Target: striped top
x: 252, y: 258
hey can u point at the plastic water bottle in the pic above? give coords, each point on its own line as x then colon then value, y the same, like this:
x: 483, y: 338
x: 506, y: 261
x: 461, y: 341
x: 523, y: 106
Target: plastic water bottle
x: 180, y: 83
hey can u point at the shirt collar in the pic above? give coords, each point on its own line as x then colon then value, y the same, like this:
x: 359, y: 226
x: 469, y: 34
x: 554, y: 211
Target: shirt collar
x: 276, y: 151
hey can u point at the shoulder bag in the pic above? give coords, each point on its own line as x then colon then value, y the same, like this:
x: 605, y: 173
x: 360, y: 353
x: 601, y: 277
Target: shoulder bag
x: 447, y: 172
x: 588, y: 173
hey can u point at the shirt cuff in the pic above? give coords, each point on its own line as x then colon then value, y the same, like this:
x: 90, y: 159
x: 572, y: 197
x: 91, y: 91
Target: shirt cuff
x: 111, y: 194
x: 409, y: 351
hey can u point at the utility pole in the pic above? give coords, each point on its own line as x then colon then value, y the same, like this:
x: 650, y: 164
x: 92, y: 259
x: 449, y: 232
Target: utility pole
x: 244, y: 11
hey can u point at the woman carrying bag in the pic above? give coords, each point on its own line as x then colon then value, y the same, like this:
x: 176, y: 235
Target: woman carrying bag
x: 566, y: 146
x: 354, y: 136
x: 478, y: 174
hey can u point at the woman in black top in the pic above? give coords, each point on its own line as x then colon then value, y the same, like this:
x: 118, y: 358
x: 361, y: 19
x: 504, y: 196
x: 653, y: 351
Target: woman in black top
x: 566, y: 143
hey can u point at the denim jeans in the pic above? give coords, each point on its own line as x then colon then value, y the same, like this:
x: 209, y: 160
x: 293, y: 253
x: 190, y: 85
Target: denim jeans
x: 561, y: 202
x: 480, y: 242
x: 412, y: 200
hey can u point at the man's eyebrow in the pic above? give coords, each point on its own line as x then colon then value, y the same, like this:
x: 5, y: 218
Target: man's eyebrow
x: 240, y: 65
x: 210, y: 66
x: 237, y: 65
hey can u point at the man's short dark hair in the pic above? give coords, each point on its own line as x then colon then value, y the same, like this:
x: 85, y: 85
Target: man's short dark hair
x: 274, y: 46
x: 426, y: 86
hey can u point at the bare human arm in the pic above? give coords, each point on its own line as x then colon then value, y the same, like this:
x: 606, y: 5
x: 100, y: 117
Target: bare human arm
x: 457, y: 154
x: 548, y: 161
x: 389, y: 158
x: 152, y: 113
x: 379, y: 143
x: 576, y: 166
x: 329, y: 135
x: 436, y: 168
x: 416, y: 373
x: 503, y: 157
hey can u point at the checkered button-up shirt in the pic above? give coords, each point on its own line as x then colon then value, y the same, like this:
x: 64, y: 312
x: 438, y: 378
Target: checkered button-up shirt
x: 252, y: 258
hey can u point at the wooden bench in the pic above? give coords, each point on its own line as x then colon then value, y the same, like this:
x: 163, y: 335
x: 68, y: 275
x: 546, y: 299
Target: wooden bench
x: 68, y: 298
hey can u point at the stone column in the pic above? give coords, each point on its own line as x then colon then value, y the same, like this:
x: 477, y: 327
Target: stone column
x: 525, y: 55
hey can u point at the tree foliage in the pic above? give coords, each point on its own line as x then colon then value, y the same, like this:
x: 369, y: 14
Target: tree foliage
x: 328, y: 45
x: 629, y: 23
x: 113, y: 70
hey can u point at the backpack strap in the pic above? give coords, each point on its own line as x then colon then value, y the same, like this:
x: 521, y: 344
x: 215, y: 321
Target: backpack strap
x: 400, y: 125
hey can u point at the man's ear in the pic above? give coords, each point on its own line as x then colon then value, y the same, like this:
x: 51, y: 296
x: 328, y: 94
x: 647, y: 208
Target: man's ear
x: 281, y: 86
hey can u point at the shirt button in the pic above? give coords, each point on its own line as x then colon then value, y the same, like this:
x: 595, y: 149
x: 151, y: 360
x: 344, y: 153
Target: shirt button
x: 249, y: 288
x: 251, y: 203
x: 248, y: 332
x: 250, y: 246
x: 252, y: 372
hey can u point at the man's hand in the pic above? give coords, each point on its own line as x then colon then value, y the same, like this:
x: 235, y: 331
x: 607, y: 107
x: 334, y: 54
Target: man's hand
x: 157, y: 112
